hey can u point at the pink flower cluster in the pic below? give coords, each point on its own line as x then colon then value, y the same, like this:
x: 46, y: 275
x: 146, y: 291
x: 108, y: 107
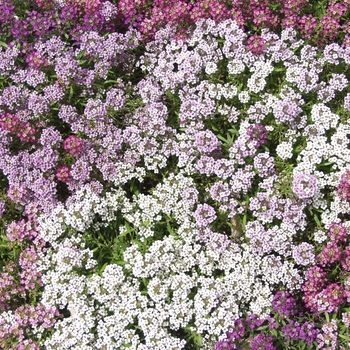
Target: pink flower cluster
x: 320, y: 299
x: 26, y: 317
x: 321, y: 296
x: 63, y: 173
x: 343, y: 189
x: 21, y: 230
x: 36, y: 60
x: 148, y: 16
x: 23, y: 130
x: 73, y: 145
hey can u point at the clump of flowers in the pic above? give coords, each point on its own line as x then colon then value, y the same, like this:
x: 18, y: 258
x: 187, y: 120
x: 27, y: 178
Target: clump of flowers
x: 255, y: 44
x: 343, y: 189
x: 63, y: 173
x: 337, y: 232
x: 22, y: 129
x: 304, y: 186
x: 284, y: 304
x: 73, y: 145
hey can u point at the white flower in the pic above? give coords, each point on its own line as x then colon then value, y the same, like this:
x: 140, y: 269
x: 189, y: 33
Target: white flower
x: 211, y: 68
x: 320, y: 236
x: 285, y: 150
x: 256, y: 83
x: 235, y: 67
x: 244, y: 96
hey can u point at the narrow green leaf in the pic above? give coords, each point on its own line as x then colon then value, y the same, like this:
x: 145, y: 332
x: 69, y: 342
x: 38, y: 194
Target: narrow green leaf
x: 344, y: 337
x: 222, y: 138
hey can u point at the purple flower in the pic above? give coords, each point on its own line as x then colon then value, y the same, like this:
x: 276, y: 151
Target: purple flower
x: 303, y: 255
x: 262, y: 342
x: 291, y: 330
x: 224, y: 345
x: 304, y: 186
x: 330, y: 254
x: 258, y: 133
x: 286, y: 111
x: 284, y: 304
x: 2, y: 208
x: 63, y: 173
x: 73, y: 145
x: 253, y: 321
x: 237, y: 331
x: 264, y: 164
x: 315, y: 280
x: 330, y: 298
x: 337, y: 232
x: 206, y: 141
x: 308, y: 332
x: 256, y: 44
x: 345, y: 261
x: 204, y: 215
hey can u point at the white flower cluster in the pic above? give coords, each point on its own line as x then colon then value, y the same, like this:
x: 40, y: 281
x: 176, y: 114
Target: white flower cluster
x: 103, y: 308
x: 261, y: 70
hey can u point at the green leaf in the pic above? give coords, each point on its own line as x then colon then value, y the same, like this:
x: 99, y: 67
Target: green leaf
x: 110, y: 81
x: 81, y: 54
x: 344, y: 337
x: 317, y: 221
x: 170, y: 229
x: 274, y: 333
x: 244, y: 220
x: 222, y: 138
x: 71, y: 92
x: 103, y: 267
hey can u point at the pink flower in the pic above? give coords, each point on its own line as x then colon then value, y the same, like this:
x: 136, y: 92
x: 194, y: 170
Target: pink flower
x: 73, y: 145
x: 63, y: 173
x: 256, y: 44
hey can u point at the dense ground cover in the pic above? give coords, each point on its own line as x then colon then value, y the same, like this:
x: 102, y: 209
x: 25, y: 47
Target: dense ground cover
x: 174, y: 175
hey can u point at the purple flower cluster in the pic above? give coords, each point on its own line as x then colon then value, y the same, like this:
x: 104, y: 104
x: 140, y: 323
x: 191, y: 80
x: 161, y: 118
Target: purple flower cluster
x: 262, y: 342
x: 258, y: 133
x: 24, y: 319
x: 284, y: 304
x: 21, y: 230
x: 73, y: 145
x: 306, y: 331
x: 337, y: 232
x: 304, y: 186
x: 22, y: 129
x: 204, y: 215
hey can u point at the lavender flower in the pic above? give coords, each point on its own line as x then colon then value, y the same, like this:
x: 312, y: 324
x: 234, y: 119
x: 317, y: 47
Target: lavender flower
x: 291, y: 330
x: 204, y: 215
x: 303, y: 255
x: 225, y: 345
x: 304, y: 186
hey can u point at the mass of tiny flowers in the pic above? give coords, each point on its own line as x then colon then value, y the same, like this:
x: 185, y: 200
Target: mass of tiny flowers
x: 174, y: 174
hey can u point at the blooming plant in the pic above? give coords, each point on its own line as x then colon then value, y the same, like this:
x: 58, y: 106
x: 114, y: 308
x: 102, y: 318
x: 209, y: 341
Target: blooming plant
x: 174, y: 175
